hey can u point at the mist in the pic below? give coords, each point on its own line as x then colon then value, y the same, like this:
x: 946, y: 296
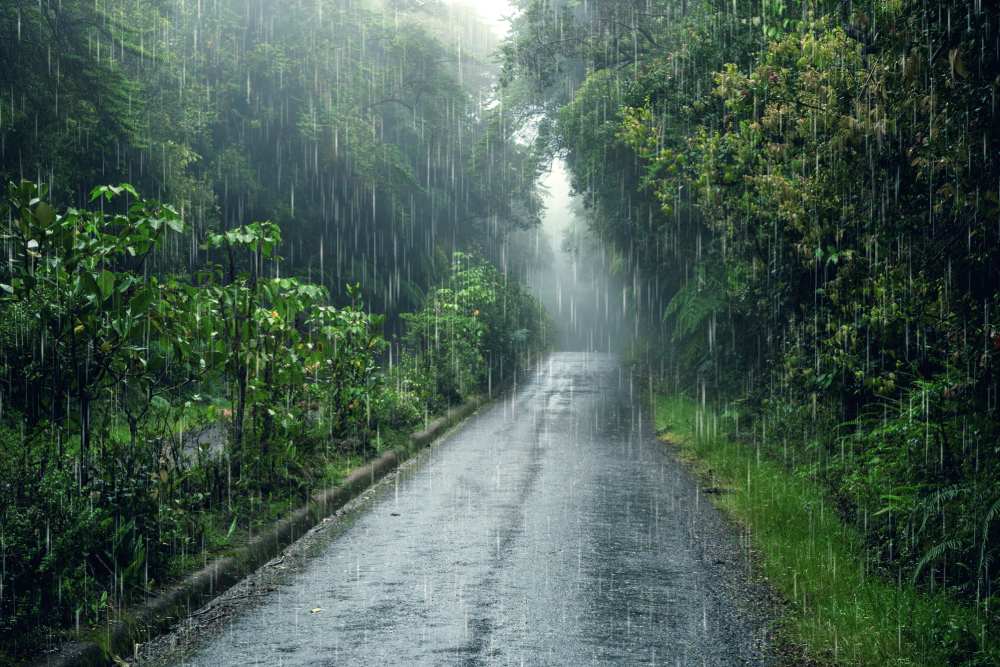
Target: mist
x: 571, y: 274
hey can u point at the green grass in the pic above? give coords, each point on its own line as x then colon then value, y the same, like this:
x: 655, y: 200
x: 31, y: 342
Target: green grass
x: 840, y: 611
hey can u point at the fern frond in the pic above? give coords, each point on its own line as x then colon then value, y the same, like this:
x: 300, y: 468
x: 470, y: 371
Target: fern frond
x: 691, y: 307
x: 933, y: 554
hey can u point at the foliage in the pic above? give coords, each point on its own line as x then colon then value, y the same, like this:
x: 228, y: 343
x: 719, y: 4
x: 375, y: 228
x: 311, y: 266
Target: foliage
x: 473, y: 332
x: 85, y: 314
x: 357, y: 126
x: 141, y: 410
x: 845, y: 612
x: 103, y: 363
x: 805, y: 194
x: 171, y: 375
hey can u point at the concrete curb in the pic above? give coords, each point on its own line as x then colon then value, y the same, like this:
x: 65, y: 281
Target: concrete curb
x: 142, y: 622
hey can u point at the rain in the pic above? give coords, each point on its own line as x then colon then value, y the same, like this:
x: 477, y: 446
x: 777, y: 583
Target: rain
x: 493, y: 332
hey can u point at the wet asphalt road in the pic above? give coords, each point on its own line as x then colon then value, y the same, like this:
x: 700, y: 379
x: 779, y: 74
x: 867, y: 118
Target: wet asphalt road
x: 551, y: 528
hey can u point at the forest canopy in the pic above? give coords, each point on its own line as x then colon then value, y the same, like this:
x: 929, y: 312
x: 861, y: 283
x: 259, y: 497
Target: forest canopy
x: 368, y: 133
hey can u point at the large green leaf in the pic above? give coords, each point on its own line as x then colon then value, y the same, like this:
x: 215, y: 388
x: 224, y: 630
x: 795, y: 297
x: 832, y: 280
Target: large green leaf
x: 89, y: 284
x: 141, y: 301
x: 45, y: 214
x: 106, y: 283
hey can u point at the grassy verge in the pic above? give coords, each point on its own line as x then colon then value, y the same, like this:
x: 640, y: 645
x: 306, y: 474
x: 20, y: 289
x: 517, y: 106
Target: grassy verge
x: 227, y: 529
x: 840, y: 610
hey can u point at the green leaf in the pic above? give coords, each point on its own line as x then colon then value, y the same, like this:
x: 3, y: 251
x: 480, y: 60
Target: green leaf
x: 160, y: 403
x: 106, y: 283
x: 175, y: 224
x: 141, y: 300
x: 45, y: 214
x: 126, y: 283
x: 127, y: 187
x: 88, y: 283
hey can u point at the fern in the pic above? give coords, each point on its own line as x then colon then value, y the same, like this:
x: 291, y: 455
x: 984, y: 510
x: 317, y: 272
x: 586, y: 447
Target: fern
x: 992, y: 514
x: 934, y: 553
x: 692, y: 305
x: 931, y: 503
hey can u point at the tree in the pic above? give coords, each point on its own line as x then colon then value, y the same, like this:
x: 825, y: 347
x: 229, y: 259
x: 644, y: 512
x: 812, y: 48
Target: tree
x: 80, y: 286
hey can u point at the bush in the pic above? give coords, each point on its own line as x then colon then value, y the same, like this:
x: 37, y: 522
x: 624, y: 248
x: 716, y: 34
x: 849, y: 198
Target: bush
x: 101, y: 366
x: 399, y: 408
x: 105, y: 365
x: 472, y: 333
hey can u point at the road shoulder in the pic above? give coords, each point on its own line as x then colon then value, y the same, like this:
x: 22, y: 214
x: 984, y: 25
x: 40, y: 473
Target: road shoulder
x: 230, y: 579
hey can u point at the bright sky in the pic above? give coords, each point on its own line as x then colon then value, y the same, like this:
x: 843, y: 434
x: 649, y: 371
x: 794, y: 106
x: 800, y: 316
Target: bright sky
x: 494, y: 11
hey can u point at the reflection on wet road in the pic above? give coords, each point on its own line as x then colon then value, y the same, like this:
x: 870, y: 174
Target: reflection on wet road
x: 552, y: 528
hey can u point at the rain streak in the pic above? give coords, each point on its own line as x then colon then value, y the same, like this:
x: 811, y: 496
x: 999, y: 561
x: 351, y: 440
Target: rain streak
x: 499, y: 332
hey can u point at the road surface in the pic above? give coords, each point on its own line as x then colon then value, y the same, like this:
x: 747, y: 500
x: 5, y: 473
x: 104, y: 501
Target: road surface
x: 552, y: 528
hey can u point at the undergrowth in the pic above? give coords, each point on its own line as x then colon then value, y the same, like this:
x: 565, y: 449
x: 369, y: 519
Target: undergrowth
x: 841, y: 607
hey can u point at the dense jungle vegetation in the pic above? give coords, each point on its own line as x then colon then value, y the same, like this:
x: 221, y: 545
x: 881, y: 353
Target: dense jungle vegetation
x: 804, y: 198
x: 304, y: 254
